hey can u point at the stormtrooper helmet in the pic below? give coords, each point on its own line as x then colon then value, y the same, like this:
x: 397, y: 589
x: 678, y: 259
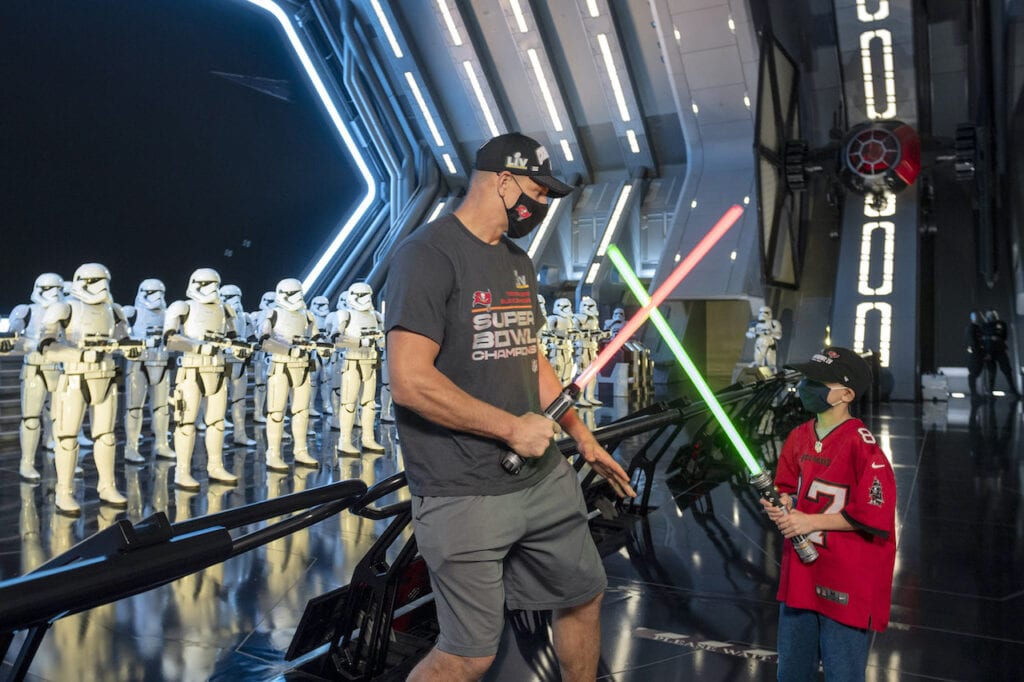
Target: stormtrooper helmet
x: 232, y: 297
x: 267, y: 300
x: 151, y: 295
x: 764, y: 314
x: 288, y: 294
x: 588, y: 306
x: 91, y: 284
x: 204, y: 286
x: 359, y: 297
x: 320, y: 306
x: 49, y: 288
x: 619, y: 315
x: 562, y: 307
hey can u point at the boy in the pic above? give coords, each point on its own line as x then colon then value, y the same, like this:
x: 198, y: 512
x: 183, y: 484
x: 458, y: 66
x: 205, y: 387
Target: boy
x: 840, y: 490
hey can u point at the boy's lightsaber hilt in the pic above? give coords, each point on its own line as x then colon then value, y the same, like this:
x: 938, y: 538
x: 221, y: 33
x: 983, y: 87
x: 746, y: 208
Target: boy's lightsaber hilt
x: 512, y: 462
x: 801, y: 543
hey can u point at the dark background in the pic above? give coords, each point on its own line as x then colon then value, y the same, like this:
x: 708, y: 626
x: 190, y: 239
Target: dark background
x: 118, y: 145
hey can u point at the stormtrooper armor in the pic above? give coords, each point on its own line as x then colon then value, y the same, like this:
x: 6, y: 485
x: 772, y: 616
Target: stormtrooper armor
x: 261, y: 361
x: 766, y: 332
x: 320, y: 306
x: 38, y: 375
x: 198, y: 328
x: 357, y: 329
x: 93, y: 327
x: 562, y: 327
x: 150, y: 374
x: 286, y: 334
x: 237, y: 367
x: 617, y: 321
x: 590, y: 334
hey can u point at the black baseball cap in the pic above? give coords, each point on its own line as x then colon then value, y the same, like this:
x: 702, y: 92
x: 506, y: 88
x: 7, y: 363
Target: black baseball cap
x: 835, y: 365
x: 520, y: 155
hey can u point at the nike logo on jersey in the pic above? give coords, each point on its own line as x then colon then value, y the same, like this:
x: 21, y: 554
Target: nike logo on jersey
x: 877, y: 466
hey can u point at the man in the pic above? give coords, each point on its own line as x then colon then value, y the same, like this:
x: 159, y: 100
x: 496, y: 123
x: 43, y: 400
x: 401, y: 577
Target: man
x: 469, y: 380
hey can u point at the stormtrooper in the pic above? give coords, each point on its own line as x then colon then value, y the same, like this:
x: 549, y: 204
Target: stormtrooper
x: 260, y: 361
x: 766, y: 332
x: 39, y: 375
x: 320, y: 306
x: 616, y: 322
x: 562, y: 327
x: 289, y: 334
x: 149, y: 374
x: 238, y: 377
x: 357, y: 329
x: 201, y: 328
x: 590, y: 334
x: 82, y: 334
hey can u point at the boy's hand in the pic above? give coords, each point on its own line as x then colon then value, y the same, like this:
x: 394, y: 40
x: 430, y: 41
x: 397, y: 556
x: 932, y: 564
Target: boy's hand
x: 796, y: 523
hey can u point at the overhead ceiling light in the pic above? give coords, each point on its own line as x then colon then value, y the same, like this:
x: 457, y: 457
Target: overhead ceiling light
x: 411, y: 80
x: 566, y: 150
x: 679, y: 36
x: 592, y: 8
x: 517, y: 11
x: 634, y: 145
x: 339, y: 124
x: 592, y: 273
x: 449, y: 163
x: 746, y: 101
x: 386, y: 25
x: 480, y: 99
x: 613, y: 75
x: 613, y: 221
x: 746, y: 201
x: 695, y: 108
x: 449, y: 21
x: 732, y: 255
x: 732, y: 24
x: 545, y: 92
x: 693, y: 204
x: 437, y: 210
x: 538, y: 236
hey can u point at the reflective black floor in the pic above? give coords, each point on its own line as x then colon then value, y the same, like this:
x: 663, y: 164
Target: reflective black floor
x: 691, y: 594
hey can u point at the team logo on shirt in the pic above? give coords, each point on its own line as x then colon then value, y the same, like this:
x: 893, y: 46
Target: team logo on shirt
x: 482, y: 298
x: 521, y: 282
x: 875, y: 493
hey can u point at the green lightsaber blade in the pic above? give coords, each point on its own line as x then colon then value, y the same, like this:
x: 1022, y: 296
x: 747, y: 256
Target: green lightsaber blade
x: 631, y: 280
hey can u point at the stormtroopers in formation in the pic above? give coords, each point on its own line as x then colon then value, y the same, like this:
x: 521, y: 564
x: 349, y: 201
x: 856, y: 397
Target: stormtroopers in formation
x: 261, y: 361
x: 150, y: 374
x: 562, y: 327
x: 587, y: 345
x: 38, y: 374
x: 320, y: 306
x: 357, y: 329
x: 238, y: 376
x: 766, y: 333
x: 287, y: 330
x: 92, y: 326
x: 193, y: 327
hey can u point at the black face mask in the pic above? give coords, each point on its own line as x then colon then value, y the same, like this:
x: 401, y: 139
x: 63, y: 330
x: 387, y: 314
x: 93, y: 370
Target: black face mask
x: 813, y: 396
x: 525, y: 215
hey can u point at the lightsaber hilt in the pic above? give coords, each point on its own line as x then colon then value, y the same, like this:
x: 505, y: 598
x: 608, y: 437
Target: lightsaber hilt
x: 801, y: 543
x: 512, y: 462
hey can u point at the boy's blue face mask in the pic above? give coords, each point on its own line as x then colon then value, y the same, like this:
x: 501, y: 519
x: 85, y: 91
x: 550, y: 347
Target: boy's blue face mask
x: 813, y: 396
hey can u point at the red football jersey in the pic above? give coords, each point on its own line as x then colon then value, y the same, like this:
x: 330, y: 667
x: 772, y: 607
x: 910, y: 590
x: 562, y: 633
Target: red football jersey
x: 851, y: 582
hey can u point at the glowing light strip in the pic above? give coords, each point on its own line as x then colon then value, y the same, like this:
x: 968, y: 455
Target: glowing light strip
x: 449, y: 163
x: 866, y: 39
x: 332, y: 113
x: 545, y: 92
x: 592, y: 8
x: 437, y: 210
x: 863, y: 284
x: 672, y: 341
x: 613, y: 221
x: 613, y: 76
x: 518, y: 12
x: 386, y: 25
x: 660, y: 294
x: 449, y: 21
x: 595, y: 267
x: 543, y: 229
x: 566, y: 149
x: 634, y: 145
x: 480, y: 99
x: 884, y: 329
x: 411, y: 80
x: 865, y: 16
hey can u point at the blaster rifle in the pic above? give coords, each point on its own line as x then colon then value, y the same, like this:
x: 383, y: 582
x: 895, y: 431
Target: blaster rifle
x: 129, y: 347
x: 321, y: 348
x: 238, y: 348
x: 9, y: 342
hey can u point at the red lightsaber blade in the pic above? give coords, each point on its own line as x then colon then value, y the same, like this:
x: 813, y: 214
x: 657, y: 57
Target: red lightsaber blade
x: 512, y: 462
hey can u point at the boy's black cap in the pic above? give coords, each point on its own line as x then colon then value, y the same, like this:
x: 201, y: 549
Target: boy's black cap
x: 837, y: 365
x: 520, y: 155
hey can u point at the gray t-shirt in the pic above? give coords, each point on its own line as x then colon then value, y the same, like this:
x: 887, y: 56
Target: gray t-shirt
x: 479, y: 303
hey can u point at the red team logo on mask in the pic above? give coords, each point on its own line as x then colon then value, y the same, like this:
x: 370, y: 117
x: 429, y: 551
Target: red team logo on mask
x: 482, y: 298
x: 523, y: 212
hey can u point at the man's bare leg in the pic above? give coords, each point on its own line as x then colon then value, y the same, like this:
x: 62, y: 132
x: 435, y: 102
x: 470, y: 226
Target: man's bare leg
x: 438, y: 665
x: 577, y: 633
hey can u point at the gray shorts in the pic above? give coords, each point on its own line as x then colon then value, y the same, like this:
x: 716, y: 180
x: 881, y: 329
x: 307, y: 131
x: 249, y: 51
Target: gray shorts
x: 530, y: 549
